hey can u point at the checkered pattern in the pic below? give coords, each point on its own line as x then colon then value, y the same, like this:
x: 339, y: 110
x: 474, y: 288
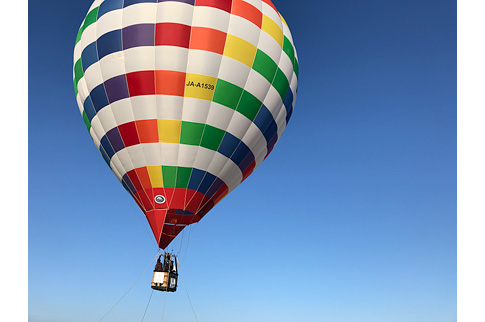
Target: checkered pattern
x: 184, y: 98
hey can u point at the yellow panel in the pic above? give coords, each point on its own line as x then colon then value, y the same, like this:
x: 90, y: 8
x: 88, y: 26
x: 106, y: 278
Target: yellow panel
x: 283, y: 19
x: 240, y: 50
x: 169, y: 131
x: 155, y: 173
x: 273, y: 30
x: 200, y: 86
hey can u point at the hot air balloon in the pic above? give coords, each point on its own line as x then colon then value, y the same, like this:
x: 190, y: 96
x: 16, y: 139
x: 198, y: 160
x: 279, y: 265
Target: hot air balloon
x: 184, y: 98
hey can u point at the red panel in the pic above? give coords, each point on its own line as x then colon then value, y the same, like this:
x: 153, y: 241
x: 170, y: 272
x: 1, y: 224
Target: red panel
x: 202, y: 204
x: 204, y: 210
x: 170, y: 82
x: 134, y: 179
x: 172, y: 230
x: 172, y: 34
x: 165, y: 240
x: 248, y: 171
x: 128, y: 133
x: 181, y: 219
x: 169, y: 195
x: 146, y: 203
x: 208, y: 39
x: 141, y: 83
x: 247, y: 11
x: 147, y: 131
x: 193, y: 204
x: 219, y: 4
x: 178, y: 199
x: 156, y: 218
x: 220, y: 194
x: 144, y: 178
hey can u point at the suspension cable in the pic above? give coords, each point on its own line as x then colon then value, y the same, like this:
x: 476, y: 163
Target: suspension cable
x: 187, y: 292
x: 149, y: 265
x: 146, y: 309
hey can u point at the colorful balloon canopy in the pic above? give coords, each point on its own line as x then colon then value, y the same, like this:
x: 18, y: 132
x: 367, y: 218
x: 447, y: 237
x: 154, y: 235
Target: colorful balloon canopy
x: 184, y: 98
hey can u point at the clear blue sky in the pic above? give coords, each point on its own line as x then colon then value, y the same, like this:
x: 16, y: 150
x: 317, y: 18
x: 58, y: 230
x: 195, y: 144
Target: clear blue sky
x: 351, y: 218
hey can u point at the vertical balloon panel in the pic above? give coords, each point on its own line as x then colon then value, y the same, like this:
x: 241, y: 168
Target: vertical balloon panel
x: 184, y: 98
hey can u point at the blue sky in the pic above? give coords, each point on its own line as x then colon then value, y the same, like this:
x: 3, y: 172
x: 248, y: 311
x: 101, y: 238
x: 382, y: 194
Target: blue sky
x: 351, y: 218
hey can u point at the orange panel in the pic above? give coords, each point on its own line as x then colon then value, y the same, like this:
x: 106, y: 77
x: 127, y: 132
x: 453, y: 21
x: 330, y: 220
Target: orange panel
x: 208, y: 39
x: 169, y: 82
x: 147, y: 131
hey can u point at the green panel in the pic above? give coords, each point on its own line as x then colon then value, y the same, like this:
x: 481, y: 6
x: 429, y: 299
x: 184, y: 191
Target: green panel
x: 249, y: 105
x: 169, y: 174
x: 91, y: 18
x: 183, y: 177
x: 86, y: 121
x: 295, y: 67
x: 227, y: 94
x: 78, y: 74
x: 212, y: 137
x: 281, y: 83
x: 191, y: 133
x: 264, y: 65
x: 289, y: 50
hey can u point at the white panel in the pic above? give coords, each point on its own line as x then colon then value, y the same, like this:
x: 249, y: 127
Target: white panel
x: 79, y: 103
x: 112, y: 65
x: 139, y: 13
x: 254, y: 138
x: 244, y: 29
x: 116, y: 163
x: 122, y: 111
x: 88, y: 36
x: 273, y: 101
x: 217, y: 164
x: 93, y: 76
x: 153, y: 153
x: 259, y: 156
x: 287, y: 33
x: 187, y: 155
x: 294, y: 85
x: 78, y: 49
x: 144, y: 107
x: 169, y: 107
x: 210, y: 17
x: 219, y: 116
x: 125, y: 159
x: 230, y: 173
x: 238, y: 125
x: 95, y: 4
x: 203, y: 62
x: 233, y: 71
x: 286, y: 66
x: 137, y: 156
x: 95, y: 138
x: 175, y: 12
x: 115, y: 171
x: 204, y: 156
x: 270, y: 12
x: 108, y: 22
x: 82, y: 88
x: 139, y: 58
x: 257, y: 85
x: 171, y: 57
x: 195, y: 110
x: 257, y: 3
x: 281, y: 121
x: 98, y: 127
x: 169, y: 153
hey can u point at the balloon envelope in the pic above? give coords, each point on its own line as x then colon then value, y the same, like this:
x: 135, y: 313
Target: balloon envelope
x: 184, y: 98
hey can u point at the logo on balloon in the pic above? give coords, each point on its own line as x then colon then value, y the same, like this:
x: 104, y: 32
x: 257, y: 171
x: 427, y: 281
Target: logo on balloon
x: 159, y: 199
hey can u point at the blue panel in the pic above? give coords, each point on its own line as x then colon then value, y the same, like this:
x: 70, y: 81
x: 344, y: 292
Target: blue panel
x: 107, y: 146
x: 89, y: 56
x: 128, y: 185
x: 288, y: 101
x: 105, y: 155
x: 263, y: 119
x: 241, y: 152
x: 130, y: 2
x: 109, y: 5
x: 89, y: 108
x: 228, y: 145
x: 109, y: 43
x: 215, y: 186
x: 207, y: 182
x: 195, y: 179
x: 98, y: 95
x: 270, y: 131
